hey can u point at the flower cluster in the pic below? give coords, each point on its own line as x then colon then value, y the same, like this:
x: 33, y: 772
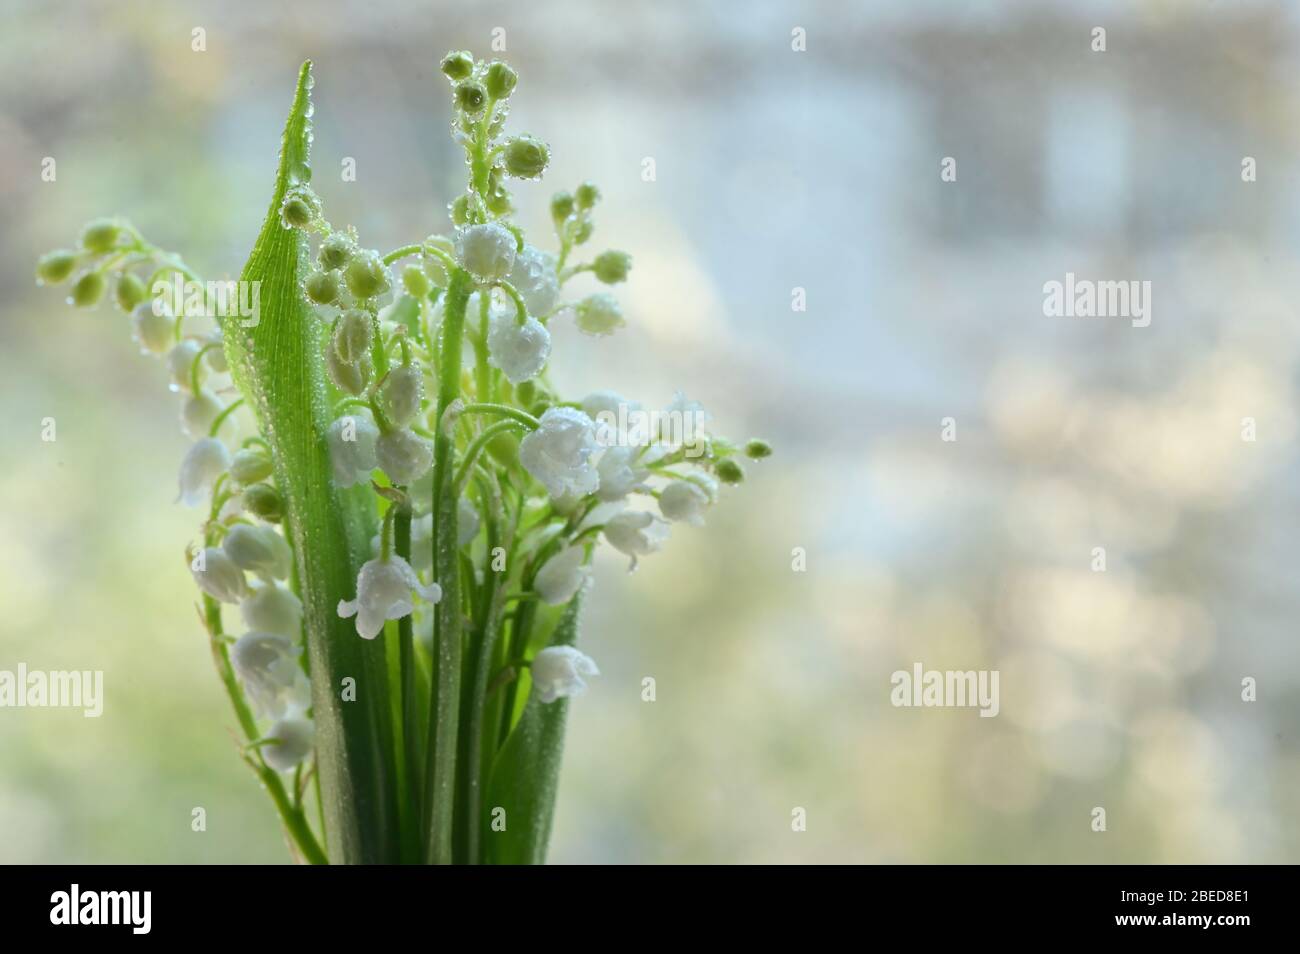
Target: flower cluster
x: 487, y: 491
x: 243, y: 560
x: 564, y: 473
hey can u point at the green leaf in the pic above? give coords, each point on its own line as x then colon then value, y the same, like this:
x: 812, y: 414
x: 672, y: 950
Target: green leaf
x: 279, y: 367
x: 526, y: 772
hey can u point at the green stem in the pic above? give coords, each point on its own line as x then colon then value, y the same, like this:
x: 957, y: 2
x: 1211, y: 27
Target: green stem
x: 476, y: 448
x: 484, y: 645
x: 503, y: 410
x: 440, y: 774
x: 402, y: 252
x: 406, y: 640
x: 221, y: 418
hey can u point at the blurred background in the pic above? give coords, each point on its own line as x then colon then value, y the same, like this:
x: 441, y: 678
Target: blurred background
x: 775, y: 169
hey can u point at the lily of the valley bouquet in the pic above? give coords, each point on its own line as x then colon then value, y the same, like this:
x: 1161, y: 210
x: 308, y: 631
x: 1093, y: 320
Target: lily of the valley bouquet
x: 399, y: 507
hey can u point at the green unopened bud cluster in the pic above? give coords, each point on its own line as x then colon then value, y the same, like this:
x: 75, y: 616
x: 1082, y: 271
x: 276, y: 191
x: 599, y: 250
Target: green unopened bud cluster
x: 480, y: 94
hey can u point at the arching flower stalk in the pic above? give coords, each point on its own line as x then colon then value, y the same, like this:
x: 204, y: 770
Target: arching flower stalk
x: 380, y: 451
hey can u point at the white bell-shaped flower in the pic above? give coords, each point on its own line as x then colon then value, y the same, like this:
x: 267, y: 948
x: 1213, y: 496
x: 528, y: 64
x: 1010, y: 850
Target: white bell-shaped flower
x: 620, y: 473
x: 267, y: 667
x: 534, y: 277
x: 384, y: 592
x: 562, y: 576
x: 559, y: 452
x: 612, y: 414
x: 487, y: 251
x: 636, y: 533
x: 218, y: 576
x: 180, y: 365
x: 204, y: 462
x: 153, y: 330
x: 560, y: 671
x: 259, y: 549
x: 682, y: 422
x: 599, y: 314
x: 686, y: 501
x: 352, y: 441
x: 402, y: 393
x: 520, y: 351
x: 404, y: 456
x: 294, y: 737
x: 198, y: 412
x: 271, y: 608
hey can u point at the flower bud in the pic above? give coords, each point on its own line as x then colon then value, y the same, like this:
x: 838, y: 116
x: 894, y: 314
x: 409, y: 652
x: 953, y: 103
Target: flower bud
x: 415, y: 281
x: 562, y: 576
x: 367, y: 275
x: 260, y: 550
x: 729, y: 471
x: 582, y: 230
x: 268, y: 668
x: 180, y: 365
x: 558, y: 452
x: 612, y: 267
x: 487, y: 251
x: 457, y: 65
x: 499, y: 203
x: 335, y: 251
x: 322, y: 287
x: 404, y: 456
x: 758, y: 449
x: 561, y: 206
x: 351, y: 441
x: 636, y: 533
x: 599, y: 314
x: 130, y: 291
x: 353, y: 335
x: 402, y: 392
x: 558, y: 672
x: 54, y: 267
x: 203, y: 463
x: 199, y: 412
x: 272, y: 609
x: 153, y: 331
x: 587, y: 195
x: 348, y: 377
x: 294, y: 738
x: 686, y: 501
x: 459, y: 210
x: 534, y: 278
x: 471, y: 97
x: 87, y: 290
x: 264, y: 501
x: 500, y: 80
x: 299, y: 209
x: 100, y: 236
x: 250, y: 465
x: 520, y: 351
x: 218, y: 576
x: 526, y: 157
